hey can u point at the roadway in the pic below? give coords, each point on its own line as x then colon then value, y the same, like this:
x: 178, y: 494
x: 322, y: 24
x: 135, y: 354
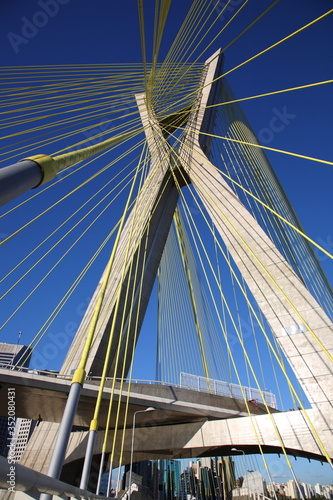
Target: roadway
x: 43, y: 397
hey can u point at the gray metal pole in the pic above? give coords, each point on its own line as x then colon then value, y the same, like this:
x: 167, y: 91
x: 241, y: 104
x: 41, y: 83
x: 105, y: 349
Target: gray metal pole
x: 297, y: 484
x: 108, y: 490
x: 38, y: 169
x: 244, y: 456
x: 18, y: 178
x: 100, y: 473
x: 65, y: 428
x: 118, y: 479
x: 271, y: 481
x: 88, y: 459
x: 150, y: 408
x: 131, y: 459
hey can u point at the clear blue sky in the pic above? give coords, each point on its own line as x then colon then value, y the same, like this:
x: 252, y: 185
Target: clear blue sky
x: 81, y: 31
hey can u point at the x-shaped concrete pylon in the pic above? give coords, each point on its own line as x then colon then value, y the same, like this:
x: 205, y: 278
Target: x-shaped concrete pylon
x: 300, y: 326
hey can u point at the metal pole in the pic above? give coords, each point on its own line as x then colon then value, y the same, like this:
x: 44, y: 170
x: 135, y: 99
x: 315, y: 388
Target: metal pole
x: 65, y: 428
x: 109, y: 480
x: 101, y: 464
x: 131, y: 459
x: 132, y: 448
x: 38, y: 169
x: 118, y: 480
x: 297, y: 484
x: 241, y: 451
x: 88, y: 459
x: 271, y: 481
x: 18, y: 178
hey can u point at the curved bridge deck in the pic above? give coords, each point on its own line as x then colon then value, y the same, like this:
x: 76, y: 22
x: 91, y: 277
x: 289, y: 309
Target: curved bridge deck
x: 194, y: 423
x: 43, y: 397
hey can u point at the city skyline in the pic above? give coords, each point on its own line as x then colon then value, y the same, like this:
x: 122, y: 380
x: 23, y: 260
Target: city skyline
x: 253, y: 480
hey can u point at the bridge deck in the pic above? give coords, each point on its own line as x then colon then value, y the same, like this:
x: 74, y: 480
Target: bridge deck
x: 44, y: 396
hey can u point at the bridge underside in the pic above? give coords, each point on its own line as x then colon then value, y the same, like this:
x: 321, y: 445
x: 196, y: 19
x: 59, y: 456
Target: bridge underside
x: 194, y: 423
x: 187, y: 440
x: 214, y: 438
x: 173, y: 404
x: 176, y: 436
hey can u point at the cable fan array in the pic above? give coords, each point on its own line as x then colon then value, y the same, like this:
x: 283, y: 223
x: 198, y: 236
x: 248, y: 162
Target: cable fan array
x: 208, y: 323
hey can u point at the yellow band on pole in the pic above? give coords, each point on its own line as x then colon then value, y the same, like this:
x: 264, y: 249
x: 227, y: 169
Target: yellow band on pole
x: 94, y: 425
x: 47, y: 165
x: 79, y: 376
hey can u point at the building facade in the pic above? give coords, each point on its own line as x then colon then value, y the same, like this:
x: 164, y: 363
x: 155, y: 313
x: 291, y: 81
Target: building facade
x: 13, y: 356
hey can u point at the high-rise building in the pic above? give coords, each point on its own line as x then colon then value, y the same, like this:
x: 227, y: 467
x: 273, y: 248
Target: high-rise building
x: 207, y: 479
x: 169, y: 479
x: 23, y: 429
x: 13, y: 356
x: 145, y: 470
x: 207, y: 484
x: 3, y: 436
x: 254, y: 482
x: 187, y: 484
x: 293, y: 489
x: 160, y: 477
x: 253, y: 485
x: 308, y: 490
x: 318, y: 489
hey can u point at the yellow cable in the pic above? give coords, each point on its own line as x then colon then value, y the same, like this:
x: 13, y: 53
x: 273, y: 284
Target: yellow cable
x: 93, y: 324
x: 57, y: 202
x: 267, y: 49
x: 264, y: 204
x: 302, y: 319
x: 59, y: 240
x: 275, y: 92
x: 233, y: 361
x: 297, y: 155
x: 104, y: 446
x: 93, y: 424
x: 46, y: 325
x: 190, y: 286
x: 281, y: 366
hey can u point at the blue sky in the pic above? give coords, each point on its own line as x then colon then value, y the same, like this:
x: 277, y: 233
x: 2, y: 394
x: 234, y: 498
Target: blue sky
x: 72, y: 32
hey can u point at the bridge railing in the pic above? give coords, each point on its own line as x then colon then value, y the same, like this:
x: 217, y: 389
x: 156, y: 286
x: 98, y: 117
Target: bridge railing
x: 187, y: 381
x: 89, y: 377
x: 228, y: 389
x: 15, y: 477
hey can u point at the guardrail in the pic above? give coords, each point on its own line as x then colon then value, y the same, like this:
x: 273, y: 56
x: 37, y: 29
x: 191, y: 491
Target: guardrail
x: 227, y: 389
x: 187, y: 381
x: 89, y: 377
x: 15, y: 477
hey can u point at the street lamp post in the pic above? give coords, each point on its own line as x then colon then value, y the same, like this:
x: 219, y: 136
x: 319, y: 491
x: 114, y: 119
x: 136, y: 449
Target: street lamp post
x: 241, y: 451
x: 150, y: 408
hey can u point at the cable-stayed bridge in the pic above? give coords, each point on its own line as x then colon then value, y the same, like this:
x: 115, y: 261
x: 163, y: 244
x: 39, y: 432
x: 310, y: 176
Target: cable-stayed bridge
x: 206, y: 215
